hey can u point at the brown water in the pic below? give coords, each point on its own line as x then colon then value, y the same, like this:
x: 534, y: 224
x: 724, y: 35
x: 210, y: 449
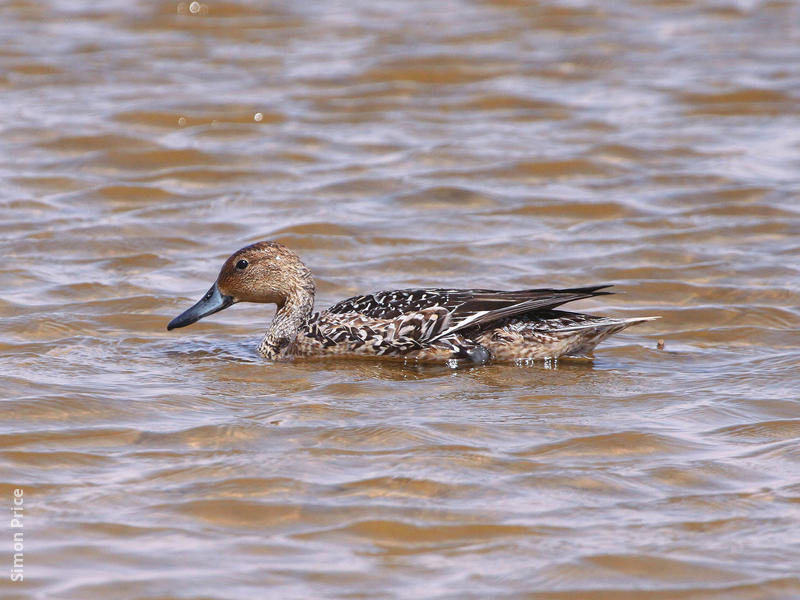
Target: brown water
x: 654, y: 145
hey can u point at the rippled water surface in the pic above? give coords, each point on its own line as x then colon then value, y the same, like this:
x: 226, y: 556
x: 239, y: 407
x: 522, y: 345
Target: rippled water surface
x: 650, y: 144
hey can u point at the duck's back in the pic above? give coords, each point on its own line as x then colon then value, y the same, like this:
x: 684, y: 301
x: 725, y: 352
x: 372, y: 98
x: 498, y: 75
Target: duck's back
x: 439, y: 324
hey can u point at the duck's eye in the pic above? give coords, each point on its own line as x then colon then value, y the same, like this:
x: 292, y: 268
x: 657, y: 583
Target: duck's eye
x: 242, y: 265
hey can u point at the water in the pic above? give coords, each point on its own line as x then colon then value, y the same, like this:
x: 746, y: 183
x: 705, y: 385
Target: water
x: 653, y: 145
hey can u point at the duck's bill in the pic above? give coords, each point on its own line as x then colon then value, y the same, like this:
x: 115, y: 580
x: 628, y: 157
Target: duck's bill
x: 213, y: 301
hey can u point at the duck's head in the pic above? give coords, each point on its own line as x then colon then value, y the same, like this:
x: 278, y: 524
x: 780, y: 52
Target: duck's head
x: 266, y: 272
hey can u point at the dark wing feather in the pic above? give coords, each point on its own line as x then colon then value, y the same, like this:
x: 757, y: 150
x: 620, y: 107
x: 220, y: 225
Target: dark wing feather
x: 465, y: 308
x: 487, y: 306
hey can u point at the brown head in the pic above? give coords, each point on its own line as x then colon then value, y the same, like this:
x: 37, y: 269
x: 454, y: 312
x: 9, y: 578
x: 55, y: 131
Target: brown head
x: 265, y: 272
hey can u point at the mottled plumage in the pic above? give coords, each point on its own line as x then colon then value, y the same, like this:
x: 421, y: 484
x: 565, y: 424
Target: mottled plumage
x: 417, y: 324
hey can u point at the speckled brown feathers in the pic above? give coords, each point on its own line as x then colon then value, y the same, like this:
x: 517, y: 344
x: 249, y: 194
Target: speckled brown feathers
x: 417, y: 324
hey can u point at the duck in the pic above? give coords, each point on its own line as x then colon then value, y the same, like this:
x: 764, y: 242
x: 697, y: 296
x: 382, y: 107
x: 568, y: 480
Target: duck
x: 422, y: 325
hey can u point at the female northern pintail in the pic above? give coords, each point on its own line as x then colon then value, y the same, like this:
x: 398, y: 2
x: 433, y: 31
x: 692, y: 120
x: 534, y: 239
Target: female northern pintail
x: 420, y: 324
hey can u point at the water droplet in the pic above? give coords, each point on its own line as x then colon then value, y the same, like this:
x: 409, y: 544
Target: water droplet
x: 257, y: 117
x: 194, y: 8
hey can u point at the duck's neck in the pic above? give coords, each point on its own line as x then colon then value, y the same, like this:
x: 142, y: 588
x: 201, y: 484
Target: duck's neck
x: 290, y: 318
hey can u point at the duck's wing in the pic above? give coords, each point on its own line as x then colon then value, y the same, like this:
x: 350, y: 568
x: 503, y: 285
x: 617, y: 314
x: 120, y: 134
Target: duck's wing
x: 440, y: 312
